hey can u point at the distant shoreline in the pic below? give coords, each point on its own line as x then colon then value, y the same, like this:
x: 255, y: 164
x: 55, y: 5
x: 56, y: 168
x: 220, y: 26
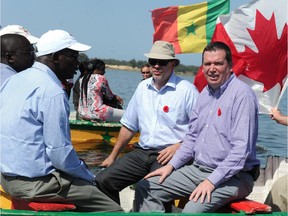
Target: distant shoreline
x: 129, y: 68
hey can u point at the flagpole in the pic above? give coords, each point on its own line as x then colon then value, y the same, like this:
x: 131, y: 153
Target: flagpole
x: 282, y: 92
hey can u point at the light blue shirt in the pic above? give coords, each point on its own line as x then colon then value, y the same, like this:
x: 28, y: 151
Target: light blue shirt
x: 6, y: 72
x: 35, y: 134
x: 223, y: 132
x: 162, y: 117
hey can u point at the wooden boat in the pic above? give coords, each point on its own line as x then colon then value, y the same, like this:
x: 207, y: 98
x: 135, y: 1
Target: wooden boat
x: 95, y: 132
x: 275, y: 170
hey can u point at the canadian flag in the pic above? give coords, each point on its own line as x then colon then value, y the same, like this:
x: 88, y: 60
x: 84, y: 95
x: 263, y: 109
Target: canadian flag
x: 257, y: 36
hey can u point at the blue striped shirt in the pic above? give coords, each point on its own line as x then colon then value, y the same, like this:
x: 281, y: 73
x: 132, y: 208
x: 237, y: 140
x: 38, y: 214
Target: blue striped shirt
x: 35, y: 134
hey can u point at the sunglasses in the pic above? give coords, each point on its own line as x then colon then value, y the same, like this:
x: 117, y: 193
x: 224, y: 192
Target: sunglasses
x: 159, y: 62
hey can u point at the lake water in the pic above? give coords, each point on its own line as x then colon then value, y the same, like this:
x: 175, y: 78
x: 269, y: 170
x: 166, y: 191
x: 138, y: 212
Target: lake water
x: 272, y: 139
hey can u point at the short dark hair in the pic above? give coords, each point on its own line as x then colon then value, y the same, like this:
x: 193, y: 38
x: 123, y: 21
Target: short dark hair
x: 11, y: 42
x: 217, y: 45
x: 144, y: 65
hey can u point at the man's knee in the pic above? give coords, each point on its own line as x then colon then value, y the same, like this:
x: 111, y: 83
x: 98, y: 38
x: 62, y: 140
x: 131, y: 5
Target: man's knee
x: 198, y: 207
x: 102, y: 179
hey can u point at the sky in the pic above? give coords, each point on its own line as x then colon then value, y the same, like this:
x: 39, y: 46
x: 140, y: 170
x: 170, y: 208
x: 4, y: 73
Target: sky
x: 116, y: 29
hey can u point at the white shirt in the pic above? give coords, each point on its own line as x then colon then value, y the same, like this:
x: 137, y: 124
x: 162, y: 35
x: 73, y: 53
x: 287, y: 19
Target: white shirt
x: 162, y: 117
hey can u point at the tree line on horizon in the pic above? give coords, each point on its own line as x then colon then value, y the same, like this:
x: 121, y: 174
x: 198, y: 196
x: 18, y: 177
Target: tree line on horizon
x: 137, y: 64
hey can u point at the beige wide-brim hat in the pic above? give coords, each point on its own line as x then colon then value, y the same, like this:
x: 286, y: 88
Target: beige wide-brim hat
x: 162, y: 50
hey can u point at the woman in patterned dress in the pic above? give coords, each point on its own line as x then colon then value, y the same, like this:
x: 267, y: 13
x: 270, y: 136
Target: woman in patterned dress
x: 95, y: 95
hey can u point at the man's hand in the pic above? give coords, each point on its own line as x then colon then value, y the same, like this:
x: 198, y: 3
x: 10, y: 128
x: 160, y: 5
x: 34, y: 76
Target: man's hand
x: 166, y: 154
x: 163, y: 172
x: 202, y: 191
x: 107, y: 162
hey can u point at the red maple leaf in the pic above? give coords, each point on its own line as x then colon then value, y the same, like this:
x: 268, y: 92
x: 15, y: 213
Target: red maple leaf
x: 269, y: 64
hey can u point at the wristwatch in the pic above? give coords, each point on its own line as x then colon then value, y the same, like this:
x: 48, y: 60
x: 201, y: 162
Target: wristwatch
x: 94, y: 181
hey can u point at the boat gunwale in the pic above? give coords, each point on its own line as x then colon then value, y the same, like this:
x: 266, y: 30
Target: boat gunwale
x: 100, y: 126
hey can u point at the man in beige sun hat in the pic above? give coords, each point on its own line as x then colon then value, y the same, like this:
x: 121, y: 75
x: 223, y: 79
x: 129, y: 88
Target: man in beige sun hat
x: 160, y: 109
x: 162, y: 50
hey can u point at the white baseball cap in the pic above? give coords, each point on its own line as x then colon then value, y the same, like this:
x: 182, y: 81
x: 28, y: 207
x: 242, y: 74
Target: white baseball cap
x: 17, y: 29
x: 56, y: 40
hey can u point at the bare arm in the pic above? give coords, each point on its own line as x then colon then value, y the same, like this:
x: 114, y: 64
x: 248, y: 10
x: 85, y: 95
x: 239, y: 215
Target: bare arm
x: 278, y: 117
x: 124, y: 137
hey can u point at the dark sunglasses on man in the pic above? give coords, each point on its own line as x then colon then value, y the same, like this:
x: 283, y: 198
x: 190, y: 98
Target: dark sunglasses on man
x: 159, y: 62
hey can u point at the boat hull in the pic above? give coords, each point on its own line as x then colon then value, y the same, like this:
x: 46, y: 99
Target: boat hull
x: 96, y: 132
x: 31, y: 213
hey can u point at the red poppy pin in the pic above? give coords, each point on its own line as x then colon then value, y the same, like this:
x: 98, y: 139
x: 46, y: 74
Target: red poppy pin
x: 219, y: 112
x: 166, y: 109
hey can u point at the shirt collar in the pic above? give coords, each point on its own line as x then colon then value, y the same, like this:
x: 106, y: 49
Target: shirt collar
x: 7, y: 67
x: 222, y: 88
x: 42, y: 67
x: 171, y: 82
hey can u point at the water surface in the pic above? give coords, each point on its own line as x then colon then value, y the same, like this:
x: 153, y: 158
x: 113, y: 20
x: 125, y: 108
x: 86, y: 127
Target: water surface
x: 272, y: 139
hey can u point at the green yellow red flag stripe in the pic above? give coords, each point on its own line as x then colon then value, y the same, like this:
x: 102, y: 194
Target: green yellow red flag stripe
x: 188, y: 28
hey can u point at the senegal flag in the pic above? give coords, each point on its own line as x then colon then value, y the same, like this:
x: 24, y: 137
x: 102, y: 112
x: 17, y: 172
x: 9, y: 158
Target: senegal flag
x: 188, y: 28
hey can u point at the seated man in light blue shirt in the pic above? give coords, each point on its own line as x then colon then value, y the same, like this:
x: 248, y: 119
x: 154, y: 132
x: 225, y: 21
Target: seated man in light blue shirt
x: 221, y: 140
x: 38, y: 162
x: 160, y: 109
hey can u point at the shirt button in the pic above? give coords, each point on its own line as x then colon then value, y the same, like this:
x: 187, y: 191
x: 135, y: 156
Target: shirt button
x: 206, y: 125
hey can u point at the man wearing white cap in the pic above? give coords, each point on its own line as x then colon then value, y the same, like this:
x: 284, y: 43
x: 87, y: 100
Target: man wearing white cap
x: 17, y: 29
x: 38, y: 160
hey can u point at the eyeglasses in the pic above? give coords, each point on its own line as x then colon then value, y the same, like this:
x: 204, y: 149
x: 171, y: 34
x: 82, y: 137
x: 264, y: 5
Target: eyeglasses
x: 144, y: 72
x: 71, y: 55
x: 160, y: 62
x: 31, y: 53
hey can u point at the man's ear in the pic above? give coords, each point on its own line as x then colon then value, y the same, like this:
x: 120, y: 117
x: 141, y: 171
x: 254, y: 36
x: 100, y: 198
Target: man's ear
x: 10, y: 57
x: 55, y: 57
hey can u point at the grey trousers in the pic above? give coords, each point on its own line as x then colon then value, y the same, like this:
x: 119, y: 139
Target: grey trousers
x: 150, y: 195
x: 62, y: 188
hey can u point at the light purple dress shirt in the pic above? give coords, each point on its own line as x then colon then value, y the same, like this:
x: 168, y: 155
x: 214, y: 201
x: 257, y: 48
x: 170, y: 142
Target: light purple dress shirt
x: 223, y: 131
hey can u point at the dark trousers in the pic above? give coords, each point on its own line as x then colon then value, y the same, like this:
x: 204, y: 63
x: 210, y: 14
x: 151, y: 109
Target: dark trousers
x: 126, y: 171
